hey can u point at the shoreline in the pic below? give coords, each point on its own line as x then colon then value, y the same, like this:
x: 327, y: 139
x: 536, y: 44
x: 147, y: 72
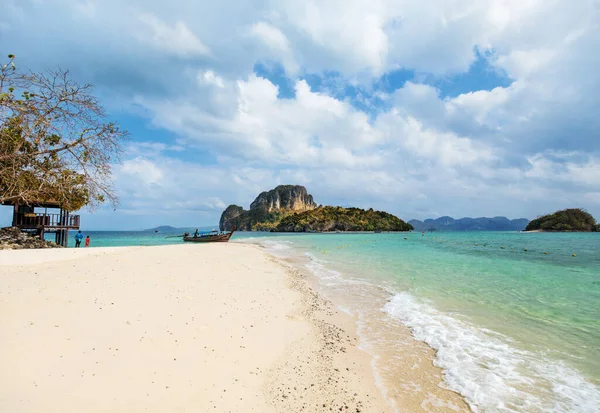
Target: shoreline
x: 367, y: 282
x: 403, y: 367
x: 167, y: 328
x: 331, y: 360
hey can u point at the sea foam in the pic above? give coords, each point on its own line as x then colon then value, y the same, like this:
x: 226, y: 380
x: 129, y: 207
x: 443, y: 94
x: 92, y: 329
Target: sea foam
x: 276, y: 247
x: 492, y: 374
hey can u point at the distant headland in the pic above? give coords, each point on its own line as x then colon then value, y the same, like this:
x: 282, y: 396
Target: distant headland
x: 290, y: 208
x: 161, y: 228
x: 171, y: 229
x: 470, y: 224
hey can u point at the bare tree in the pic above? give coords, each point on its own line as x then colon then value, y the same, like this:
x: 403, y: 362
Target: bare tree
x: 55, y: 142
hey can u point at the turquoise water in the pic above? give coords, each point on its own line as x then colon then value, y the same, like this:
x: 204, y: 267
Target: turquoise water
x: 515, y: 329
x: 530, y: 296
x: 130, y: 238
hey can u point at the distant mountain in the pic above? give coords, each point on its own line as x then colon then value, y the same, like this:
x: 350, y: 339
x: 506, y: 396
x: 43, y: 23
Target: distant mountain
x: 567, y: 220
x: 168, y: 228
x: 162, y: 228
x: 470, y: 224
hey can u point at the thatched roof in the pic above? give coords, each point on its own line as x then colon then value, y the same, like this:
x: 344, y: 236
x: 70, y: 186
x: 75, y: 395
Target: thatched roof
x: 44, y: 204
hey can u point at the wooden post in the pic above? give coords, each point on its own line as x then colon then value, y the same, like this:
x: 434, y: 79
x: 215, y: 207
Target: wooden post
x: 60, y: 231
x: 15, y: 212
x: 67, y: 232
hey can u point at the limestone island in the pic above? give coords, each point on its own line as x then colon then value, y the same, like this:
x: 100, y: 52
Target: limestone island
x: 290, y: 208
x: 566, y: 220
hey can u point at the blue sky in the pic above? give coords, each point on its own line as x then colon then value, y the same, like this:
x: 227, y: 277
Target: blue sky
x: 422, y: 109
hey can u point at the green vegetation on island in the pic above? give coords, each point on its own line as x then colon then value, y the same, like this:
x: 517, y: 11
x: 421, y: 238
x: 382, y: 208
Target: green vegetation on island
x: 330, y: 218
x: 567, y: 220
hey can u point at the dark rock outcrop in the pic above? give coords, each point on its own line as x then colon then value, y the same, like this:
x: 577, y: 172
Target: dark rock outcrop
x: 267, y: 209
x: 229, y: 217
x: 470, y: 224
x: 11, y: 238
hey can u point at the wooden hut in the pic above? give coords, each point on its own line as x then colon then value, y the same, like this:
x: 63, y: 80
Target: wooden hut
x: 35, y: 218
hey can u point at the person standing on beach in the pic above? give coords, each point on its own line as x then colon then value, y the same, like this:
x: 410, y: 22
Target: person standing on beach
x: 87, y: 241
x: 78, y: 238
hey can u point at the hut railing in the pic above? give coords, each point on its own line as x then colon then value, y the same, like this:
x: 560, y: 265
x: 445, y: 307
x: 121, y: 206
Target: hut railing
x: 35, y: 220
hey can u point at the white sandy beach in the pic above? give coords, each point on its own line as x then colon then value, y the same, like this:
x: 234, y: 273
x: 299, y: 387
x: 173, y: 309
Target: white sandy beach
x: 222, y: 327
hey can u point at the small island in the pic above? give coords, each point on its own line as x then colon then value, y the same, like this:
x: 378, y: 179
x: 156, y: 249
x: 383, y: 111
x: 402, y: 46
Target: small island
x: 290, y: 208
x: 566, y: 220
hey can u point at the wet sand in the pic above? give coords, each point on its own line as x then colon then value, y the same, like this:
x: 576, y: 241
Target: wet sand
x: 403, y: 368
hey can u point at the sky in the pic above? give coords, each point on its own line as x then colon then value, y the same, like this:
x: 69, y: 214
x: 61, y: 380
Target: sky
x: 421, y: 109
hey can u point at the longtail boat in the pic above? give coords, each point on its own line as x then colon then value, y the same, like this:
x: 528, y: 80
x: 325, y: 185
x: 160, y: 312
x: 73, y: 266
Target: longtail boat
x: 208, y: 237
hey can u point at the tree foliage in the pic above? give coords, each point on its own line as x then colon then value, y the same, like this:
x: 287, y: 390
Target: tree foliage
x: 55, y: 142
x: 574, y: 219
x: 331, y: 218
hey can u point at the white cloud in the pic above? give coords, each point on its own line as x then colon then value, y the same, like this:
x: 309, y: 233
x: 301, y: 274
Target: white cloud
x: 278, y: 45
x: 521, y: 64
x: 271, y: 36
x: 485, y: 106
x: 209, y: 77
x: 176, y: 40
x: 146, y: 149
x: 562, y: 168
x: 162, y: 183
x: 312, y: 129
x: 349, y: 33
x: 439, y: 147
x: 141, y: 172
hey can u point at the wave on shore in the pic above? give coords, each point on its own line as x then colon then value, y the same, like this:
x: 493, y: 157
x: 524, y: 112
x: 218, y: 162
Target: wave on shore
x: 491, y: 374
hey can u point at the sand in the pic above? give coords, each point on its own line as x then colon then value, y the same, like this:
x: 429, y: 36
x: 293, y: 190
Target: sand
x: 186, y: 328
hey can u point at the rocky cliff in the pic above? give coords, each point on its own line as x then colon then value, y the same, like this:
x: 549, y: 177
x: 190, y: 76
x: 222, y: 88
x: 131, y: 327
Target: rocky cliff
x: 284, y: 197
x: 268, y: 209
